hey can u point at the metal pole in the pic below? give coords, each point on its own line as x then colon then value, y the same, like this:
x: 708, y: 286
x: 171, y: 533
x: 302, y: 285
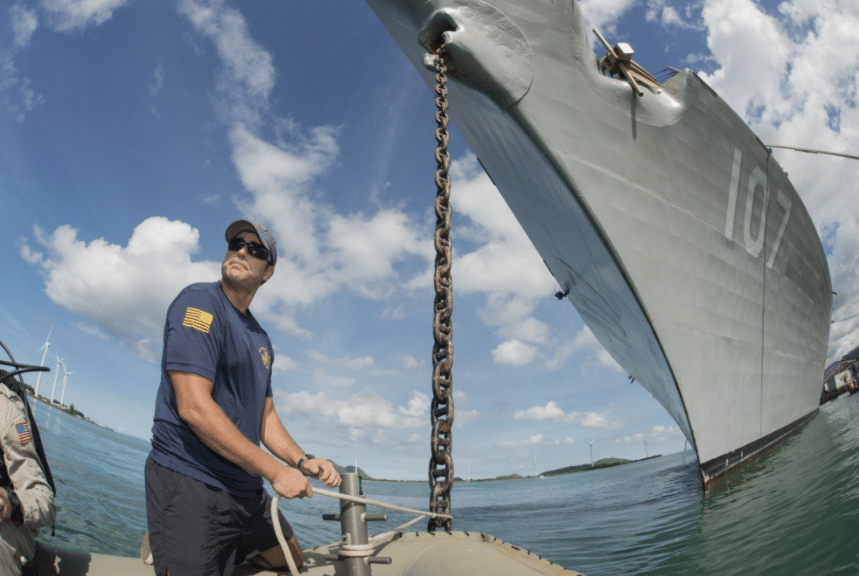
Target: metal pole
x: 352, y: 524
x: 46, y: 346
x: 56, y: 373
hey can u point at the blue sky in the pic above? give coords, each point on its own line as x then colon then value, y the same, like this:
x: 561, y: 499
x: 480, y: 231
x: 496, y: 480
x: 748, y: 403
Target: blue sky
x: 133, y: 133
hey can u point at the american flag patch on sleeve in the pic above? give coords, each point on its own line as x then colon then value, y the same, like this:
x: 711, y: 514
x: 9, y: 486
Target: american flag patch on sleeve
x: 197, y: 319
x: 23, y: 430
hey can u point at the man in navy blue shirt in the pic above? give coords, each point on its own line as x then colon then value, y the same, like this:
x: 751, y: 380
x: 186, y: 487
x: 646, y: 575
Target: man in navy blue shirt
x: 206, y: 506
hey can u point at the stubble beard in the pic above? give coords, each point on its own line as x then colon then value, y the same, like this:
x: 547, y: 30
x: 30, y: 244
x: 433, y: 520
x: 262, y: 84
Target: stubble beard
x: 240, y: 278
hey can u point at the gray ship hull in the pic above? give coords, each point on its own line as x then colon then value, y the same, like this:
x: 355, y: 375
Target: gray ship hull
x: 682, y: 243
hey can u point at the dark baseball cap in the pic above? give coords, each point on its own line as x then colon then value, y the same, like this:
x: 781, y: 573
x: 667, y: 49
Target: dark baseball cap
x: 265, y: 236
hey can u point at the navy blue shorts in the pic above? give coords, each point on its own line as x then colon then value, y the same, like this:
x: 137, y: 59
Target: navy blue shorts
x: 197, y: 529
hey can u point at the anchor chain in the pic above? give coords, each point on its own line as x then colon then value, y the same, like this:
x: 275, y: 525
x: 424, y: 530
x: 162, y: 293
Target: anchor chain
x: 441, y: 410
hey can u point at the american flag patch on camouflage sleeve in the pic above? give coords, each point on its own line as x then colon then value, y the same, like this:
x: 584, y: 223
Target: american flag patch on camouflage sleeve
x: 23, y: 430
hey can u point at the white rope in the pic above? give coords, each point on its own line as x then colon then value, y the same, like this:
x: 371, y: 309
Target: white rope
x: 360, y: 500
x: 356, y: 550
x: 810, y: 151
x: 387, y: 535
x: 348, y: 550
x: 374, y: 541
x: 275, y: 520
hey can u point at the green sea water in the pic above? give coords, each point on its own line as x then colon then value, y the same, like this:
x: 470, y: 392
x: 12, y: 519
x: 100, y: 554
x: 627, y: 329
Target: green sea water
x: 793, y: 510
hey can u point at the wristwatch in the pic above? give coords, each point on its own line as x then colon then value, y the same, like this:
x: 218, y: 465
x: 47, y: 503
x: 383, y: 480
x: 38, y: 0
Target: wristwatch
x: 302, y: 460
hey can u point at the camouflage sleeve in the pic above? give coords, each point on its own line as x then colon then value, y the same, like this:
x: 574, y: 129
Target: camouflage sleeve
x: 24, y: 466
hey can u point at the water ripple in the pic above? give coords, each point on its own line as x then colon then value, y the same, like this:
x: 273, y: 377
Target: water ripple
x: 792, y: 510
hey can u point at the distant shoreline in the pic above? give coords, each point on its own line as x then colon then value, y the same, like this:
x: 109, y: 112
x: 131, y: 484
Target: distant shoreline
x: 598, y: 465
x: 70, y: 410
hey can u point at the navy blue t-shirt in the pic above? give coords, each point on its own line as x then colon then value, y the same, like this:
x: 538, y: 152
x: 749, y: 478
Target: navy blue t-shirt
x: 206, y: 335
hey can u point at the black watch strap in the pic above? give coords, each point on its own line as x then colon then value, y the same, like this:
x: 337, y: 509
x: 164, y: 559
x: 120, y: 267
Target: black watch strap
x: 302, y: 460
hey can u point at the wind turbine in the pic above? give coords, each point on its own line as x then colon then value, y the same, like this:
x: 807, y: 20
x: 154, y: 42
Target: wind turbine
x: 57, y: 373
x: 592, y: 453
x: 65, y: 376
x: 646, y: 455
x: 469, y: 467
x: 44, y: 347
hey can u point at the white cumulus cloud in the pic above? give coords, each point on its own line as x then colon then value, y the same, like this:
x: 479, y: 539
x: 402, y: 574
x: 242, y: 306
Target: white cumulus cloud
x: 125, y: 289
x: 514, y: 352
x: 551, y: 411
x: 364, y: 416
x: 69, y: 15
x: 532, y: 441
x: 24, y: 22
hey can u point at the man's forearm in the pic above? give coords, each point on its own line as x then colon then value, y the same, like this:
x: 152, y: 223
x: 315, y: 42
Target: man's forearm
x: 214, y: 428
x: 37, y: 506
x: 276, y: 438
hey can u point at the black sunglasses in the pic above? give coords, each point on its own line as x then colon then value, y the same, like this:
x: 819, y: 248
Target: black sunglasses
x: 255, y: 249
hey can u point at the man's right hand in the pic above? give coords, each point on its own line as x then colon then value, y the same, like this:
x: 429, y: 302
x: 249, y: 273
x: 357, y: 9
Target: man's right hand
x: 290, y: 483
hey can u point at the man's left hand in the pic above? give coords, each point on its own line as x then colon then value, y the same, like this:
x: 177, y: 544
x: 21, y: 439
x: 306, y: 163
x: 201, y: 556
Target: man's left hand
x: 322, y: 470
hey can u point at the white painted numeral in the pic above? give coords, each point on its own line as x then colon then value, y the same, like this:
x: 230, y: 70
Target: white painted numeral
x: 732, y: 194
x: 785, y: 202
x: 757, y: 180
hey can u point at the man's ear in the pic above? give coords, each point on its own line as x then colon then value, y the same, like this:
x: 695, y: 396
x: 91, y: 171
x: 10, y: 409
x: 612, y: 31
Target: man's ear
x: 269, y: 271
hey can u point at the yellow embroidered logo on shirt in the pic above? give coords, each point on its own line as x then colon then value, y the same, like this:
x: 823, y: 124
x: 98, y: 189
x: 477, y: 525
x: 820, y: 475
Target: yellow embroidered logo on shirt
x: 197, y: 319
x: 266, y: 359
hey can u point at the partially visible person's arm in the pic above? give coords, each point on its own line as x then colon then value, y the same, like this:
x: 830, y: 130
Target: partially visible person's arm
x: 25, y: 470
x: 276, y: 438
x: 214, y: 428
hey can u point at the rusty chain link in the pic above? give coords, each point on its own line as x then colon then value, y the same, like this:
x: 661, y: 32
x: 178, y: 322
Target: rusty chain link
x: 441, y: 411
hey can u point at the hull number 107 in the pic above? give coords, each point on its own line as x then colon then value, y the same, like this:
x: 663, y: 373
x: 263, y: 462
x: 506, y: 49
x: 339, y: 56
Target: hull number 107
x: 757, y: 187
